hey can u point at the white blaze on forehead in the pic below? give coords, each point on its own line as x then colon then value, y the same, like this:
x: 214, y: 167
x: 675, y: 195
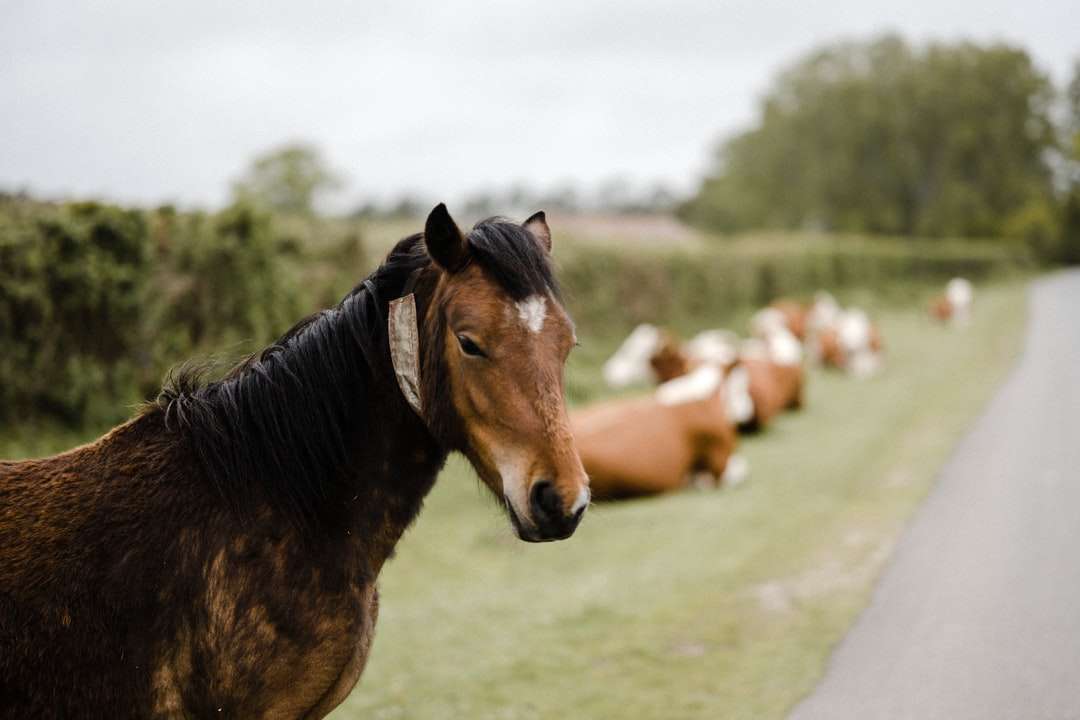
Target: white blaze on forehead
x: 697, y: 385
x: 630, y: 363
x: 532, y: 311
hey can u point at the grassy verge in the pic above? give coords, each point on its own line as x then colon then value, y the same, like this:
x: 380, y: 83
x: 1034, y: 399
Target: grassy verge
x: 695, y: 605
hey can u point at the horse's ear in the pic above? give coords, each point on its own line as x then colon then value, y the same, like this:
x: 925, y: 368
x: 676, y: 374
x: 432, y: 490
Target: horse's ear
x: 537, y: 225
x: 445, y: 243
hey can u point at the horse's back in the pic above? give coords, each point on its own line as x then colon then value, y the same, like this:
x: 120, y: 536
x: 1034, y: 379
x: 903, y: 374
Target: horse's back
x: 70, y: 591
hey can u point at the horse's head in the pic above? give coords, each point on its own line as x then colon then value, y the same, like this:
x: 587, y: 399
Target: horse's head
x: 499, y: 338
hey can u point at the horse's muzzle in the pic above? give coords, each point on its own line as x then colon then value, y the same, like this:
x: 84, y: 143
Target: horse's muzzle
x: 552, y: 520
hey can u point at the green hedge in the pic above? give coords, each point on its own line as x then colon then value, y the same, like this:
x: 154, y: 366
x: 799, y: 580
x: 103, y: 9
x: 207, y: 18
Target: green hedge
x: 223, y: 283
x: 96, y: 302
x: 611, y: 289
x: 72, y: 288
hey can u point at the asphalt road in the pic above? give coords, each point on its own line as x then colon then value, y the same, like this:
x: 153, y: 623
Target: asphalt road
x: 978, y: 612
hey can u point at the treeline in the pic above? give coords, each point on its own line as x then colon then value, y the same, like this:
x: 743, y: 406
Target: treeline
x: 880, y: 137
x: 617, y: 195
x: 295, y: 178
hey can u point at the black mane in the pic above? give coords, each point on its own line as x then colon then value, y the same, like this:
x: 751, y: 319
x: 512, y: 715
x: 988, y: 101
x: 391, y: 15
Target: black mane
x: 513, y: 257
x: 280, y: 423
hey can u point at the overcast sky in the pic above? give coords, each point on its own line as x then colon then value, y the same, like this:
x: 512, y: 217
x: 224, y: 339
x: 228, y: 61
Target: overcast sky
x: 150, y: 102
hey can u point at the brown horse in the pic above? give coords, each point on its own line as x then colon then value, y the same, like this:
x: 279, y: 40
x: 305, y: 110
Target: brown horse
x: 218, y: 554
x: 658, y: 443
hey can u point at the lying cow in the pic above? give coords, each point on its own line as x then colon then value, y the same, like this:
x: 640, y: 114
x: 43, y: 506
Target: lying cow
x: 802, y: 320
x: 954, y: 305
x: 774, y: 354
x: 794, y: 315
x: 776, y: 384
x: 773, y: 368
x: 852, y: 343
x: 661, y: 442
x: 823, y: 313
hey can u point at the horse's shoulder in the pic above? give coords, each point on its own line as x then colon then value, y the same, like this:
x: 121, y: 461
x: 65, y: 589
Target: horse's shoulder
x: 266, y: 616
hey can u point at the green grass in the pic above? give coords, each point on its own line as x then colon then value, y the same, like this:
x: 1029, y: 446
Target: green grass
x: 698, y: 604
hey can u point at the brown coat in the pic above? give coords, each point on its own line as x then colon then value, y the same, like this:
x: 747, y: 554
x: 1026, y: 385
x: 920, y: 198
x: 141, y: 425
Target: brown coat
x: 640, y: 446
x: 941, y: 309
x: 185, y: 614
x: 773, y: 388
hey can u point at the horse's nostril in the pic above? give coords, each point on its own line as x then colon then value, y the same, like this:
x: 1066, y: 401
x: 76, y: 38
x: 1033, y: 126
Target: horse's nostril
x: 545, y: 500
x: 551, y: 518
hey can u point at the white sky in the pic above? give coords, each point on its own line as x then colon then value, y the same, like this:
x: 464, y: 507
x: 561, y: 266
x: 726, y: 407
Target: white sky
x: 135, y: 101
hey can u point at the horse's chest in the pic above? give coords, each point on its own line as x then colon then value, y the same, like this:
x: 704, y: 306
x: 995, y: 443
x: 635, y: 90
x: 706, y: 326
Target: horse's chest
x: 272, y: 637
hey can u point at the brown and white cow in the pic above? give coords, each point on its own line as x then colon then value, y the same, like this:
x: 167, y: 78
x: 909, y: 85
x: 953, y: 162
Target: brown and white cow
x: 773, y: 370
x: 852, y: 343
x: 663, y: 441
x: 794, y: 315
x: 954, y: 305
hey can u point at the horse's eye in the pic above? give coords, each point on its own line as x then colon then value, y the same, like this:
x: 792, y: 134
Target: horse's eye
x: 469, y: 347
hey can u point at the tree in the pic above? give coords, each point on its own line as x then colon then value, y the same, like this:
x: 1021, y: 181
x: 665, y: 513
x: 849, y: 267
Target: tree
x: 1070, y: 221
x: 288, y: 179
x: 881, y: 137
x: 1072, y: 98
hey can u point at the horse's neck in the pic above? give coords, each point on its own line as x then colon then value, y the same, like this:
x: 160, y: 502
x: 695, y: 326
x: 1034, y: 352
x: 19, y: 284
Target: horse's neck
x: 393, y: 469
x: 393, y: 457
